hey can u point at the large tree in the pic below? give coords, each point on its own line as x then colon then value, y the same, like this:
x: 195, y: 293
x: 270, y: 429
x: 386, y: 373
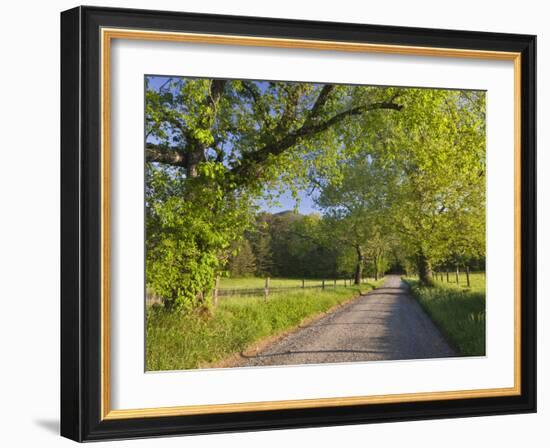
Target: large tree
x: 248, y: 125
x: 214, y: 146
x: 422, y: 174
x: 357, y: 209
x: 431, y: 176
x: 438, y: 149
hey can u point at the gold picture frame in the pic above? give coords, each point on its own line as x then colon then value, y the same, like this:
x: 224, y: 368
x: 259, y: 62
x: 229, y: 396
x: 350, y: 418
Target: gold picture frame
x: 122, y: 25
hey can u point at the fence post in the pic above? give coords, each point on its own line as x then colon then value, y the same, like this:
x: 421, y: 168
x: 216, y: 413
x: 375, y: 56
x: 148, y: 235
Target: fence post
x: 215, y: 292
x: 457, y: 272
x: 468, y: 276
x: 303, y: 284
x: 345, y: 283
x: 335, y: 283
x: 266, y: 288
x: 447, y: 272
x: 323, y: 285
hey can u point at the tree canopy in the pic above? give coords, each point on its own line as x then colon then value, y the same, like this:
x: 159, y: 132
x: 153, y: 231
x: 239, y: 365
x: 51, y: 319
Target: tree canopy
x: 395, y: 173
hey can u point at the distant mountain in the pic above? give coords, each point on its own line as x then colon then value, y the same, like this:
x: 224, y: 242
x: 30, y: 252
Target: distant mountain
x: 291, y: 214
x: 287, y: 212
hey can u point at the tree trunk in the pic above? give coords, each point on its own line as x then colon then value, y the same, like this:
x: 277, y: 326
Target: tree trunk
x: 359, y: 267
x: 196, y: 148
x: 216, y: 289
x: 424, y: 269
x: 195, y: 156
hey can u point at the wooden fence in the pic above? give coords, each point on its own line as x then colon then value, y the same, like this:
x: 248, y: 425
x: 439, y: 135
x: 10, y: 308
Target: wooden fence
x: 267, y: 289
x: 453, y: 276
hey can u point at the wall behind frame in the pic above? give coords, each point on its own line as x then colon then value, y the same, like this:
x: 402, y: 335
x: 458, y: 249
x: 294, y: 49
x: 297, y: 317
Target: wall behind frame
x: 29, y: 235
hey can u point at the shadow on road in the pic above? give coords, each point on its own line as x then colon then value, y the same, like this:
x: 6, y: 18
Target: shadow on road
x: 307, y: 352
x: 388, y: 291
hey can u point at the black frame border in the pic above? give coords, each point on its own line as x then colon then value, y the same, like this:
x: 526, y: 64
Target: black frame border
x: 81, y: 223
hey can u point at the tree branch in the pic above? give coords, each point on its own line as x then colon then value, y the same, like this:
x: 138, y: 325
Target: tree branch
x: 165, y: 154
x: 216, y: 90
x: 309, y: 129
x: 321, y: 100
x: 253, y: 93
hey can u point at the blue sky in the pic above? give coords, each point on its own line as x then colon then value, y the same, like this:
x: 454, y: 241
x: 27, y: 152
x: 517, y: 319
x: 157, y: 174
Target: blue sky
x: 287, y: 202
x: 156, y: 82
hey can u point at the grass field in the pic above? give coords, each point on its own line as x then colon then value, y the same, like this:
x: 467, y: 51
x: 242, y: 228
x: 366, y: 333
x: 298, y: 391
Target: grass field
x: 477, y: 280
x: 183, y: 341
x: 259, y: 282
x: 458, y: 311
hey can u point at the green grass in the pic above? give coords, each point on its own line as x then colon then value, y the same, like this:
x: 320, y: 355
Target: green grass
x: 259, y: 282
x: 176, y: 341
x: 477, y: 280
x: 458, y: 311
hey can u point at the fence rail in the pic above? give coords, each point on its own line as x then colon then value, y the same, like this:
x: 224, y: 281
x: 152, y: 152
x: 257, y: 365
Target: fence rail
x: 267, y: 290
x: 453, y: 276
x: 250, y: 291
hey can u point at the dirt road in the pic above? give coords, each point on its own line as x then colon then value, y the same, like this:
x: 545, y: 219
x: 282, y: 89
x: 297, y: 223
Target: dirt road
x: 386, y: 324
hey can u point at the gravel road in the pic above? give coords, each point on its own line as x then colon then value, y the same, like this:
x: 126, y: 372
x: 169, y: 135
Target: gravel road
x: 386, y: 324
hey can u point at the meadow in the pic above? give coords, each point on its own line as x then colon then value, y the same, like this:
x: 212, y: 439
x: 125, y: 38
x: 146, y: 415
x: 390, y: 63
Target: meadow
x: 259, y: 282
x: 458, y: 310
x: 176, y: 341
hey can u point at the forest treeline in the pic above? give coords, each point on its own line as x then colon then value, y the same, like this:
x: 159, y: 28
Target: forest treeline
x: 292, y: 245
x: 397, y: 174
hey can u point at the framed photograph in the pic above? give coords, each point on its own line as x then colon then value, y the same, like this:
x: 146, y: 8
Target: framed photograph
x: 272, y: 223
